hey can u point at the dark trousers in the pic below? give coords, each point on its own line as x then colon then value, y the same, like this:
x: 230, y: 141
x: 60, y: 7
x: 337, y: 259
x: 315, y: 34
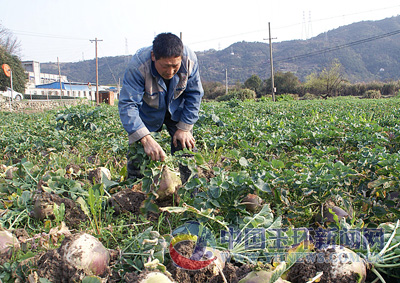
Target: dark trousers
x: 134, y: 164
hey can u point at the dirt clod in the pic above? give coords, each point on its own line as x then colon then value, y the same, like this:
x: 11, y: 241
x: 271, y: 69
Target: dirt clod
x: 74, y: 215
x: 127, y: 201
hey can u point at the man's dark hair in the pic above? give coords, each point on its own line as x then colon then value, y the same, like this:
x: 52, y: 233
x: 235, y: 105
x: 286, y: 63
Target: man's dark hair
x: 167, y: 45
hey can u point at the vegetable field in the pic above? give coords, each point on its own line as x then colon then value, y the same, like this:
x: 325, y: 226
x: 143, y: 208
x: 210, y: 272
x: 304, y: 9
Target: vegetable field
x: 267, y: 169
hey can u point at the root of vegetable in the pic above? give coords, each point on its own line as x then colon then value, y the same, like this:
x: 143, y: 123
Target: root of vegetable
x: 221, y: 258
x: 155, y: 277
x: 8, y: 244
x: 85, y: 252
x: 345, y: 262
x: 260, y: 277
x: 10, y: 172
x: 252, y: 202
x: 43, y: 209
x: 97, y: 175
x: 338, y: 264
x: 168, y: 184
x: 330, y: 213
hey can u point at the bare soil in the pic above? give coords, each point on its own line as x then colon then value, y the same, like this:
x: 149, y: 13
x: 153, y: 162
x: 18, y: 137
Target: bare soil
x: 131, y: 200
x: 127, y: 201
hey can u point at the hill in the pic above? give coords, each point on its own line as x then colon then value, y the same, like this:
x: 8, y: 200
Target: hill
x: 368, y: 50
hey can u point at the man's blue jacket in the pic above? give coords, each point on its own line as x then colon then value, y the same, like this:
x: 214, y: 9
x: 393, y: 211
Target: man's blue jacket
x: 144, y: 100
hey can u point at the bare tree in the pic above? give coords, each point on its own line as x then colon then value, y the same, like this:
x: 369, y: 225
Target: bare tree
x: 9, y: 42
x: 328, y: 82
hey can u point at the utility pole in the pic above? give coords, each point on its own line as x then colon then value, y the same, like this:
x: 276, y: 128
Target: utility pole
x: 59, y: 77
x: 97, y: 71
x: 272, y: 64
x: 226, y: 81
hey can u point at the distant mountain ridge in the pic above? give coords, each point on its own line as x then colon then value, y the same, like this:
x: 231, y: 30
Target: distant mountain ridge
x: 368, y: 50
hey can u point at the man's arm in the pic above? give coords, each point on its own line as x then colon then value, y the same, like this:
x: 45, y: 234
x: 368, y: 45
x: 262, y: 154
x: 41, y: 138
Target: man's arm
x: 190, y: 114
x: 130, y: 100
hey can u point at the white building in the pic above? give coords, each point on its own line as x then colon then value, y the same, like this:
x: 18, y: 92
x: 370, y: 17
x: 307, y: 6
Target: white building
x: 35, y: 77
x: 49, y: 85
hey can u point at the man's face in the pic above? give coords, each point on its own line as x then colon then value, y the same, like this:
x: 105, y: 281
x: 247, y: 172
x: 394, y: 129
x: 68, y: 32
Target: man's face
x: 167, y: 67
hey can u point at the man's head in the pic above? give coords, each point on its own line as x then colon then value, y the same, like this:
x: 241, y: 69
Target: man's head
x: 167, y: 54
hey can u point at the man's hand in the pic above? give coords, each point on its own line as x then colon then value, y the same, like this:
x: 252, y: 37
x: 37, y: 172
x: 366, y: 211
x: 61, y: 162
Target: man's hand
x: 185, y: 138
x: 152, y: 148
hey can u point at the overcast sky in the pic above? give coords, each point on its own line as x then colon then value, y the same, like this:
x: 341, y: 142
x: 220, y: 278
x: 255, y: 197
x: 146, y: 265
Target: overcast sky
x: 48, y: 29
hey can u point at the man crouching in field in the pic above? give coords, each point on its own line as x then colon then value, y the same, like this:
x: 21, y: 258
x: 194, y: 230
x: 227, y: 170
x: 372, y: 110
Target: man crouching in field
x: 161, y: 86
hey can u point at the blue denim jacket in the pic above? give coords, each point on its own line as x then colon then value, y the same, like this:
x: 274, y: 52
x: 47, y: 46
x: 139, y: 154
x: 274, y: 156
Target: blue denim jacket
x: 144, y: 100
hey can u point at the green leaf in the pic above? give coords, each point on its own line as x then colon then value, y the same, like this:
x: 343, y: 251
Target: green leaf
x: 109, y: 184
x: 214, y: 202
x: 377, y: 183
x: 199, y: 159
x: 214, y: 192
x: 379, y: 211
x: 84, y: 206
x: 27, y: 255
x: 26, y: 197
x: 148, y: 205
x: 225, y: 185
x: 173, y: 209
x: 263, y: 186
x: 277, y: 164
x: 123, y: 172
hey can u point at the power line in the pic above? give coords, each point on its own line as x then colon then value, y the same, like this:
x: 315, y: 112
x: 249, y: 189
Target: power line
x: 108, y: 65
x: 37, y: 34
x: 334, y: 48
x: 62, y: 36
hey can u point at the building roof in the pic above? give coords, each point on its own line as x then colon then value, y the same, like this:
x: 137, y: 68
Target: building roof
x: 68, y: 86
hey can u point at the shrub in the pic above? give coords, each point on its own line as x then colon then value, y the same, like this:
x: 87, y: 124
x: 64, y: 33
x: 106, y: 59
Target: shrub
x: 309, y: 96
x: 241, y: 94
x: 266, y: 98
x: 212, y: 90
x: 287, y: 97
x: 349, y: 89
x: 374, y: 85
x: 372, y: 94
x: 389, y: 88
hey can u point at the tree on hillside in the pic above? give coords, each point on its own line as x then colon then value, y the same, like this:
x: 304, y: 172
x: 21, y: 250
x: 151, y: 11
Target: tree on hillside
x: 328, y: 82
